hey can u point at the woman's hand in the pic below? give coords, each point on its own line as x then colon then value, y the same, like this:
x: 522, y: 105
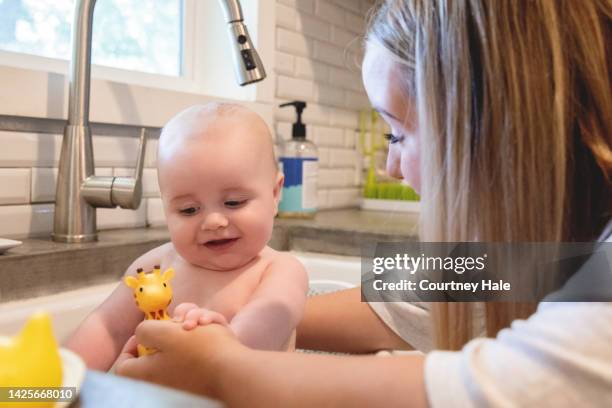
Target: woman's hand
x: 188, y: 360
x: 192, y: 316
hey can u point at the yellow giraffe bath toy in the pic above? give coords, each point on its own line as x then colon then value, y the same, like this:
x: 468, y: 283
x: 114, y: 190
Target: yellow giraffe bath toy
x: 31, y: 359
x: 152, y: 294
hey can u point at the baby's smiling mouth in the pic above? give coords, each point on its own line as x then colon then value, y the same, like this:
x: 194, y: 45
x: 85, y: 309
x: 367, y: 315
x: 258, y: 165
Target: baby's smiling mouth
x: 220, y: 243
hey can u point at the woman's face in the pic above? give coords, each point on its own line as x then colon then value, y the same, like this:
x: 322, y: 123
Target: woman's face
x: 382, y: 81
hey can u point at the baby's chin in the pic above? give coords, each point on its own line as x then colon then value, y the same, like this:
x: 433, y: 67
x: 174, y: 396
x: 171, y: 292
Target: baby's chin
x: 222, y: 263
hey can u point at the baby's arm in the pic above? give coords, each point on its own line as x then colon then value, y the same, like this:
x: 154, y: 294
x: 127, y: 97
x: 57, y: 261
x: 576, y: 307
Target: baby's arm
x: 100, y: 337
x: 274, y: 310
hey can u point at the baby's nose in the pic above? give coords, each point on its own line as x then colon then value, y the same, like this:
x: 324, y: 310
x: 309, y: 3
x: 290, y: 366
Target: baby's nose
x: 214, y: 221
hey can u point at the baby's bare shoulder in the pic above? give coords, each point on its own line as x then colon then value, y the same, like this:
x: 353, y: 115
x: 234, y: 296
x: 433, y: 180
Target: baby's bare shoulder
x: 160, y: 255
x: 284, y: 262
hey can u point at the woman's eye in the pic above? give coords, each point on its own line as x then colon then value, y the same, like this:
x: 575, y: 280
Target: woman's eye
x: 234, y: 203
x: 189, y: 211
x: 392, y: 138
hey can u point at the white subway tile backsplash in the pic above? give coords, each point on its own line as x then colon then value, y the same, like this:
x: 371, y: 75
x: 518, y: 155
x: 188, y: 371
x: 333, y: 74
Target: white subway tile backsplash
x: 29, y: 149
x: 110, y: 218
x: 284, y: 63
x: 351, y: 137
x: 18, y: 221
x: 357, y: 176
x: 328, y: 136
x: 323, y: 157
x: 366, y: 6
x: 345, y: 79
x: 292, y: 42
x: 343, y: 158
x: 151, y: 152
x: 294, y: 88
x: 344, y: 118
x: 155, y: 212
x: 316, y: 114
x: 15, y: 186
x: 356, y: 100
x: 348, y: 197
x: 328, y: 95
x: 119, y: 151
x: 305, y: 5
x: 286, y: 17
x: 150, y: 187
x: 115, y: 151
x: 353, y: 5
x: 43, y: 184
x: 283, y: 131
x: 313, y: 27
x: 327, y: 11
x: 309, y: 69
x: 335, y: 178
x: 343, y: 38
x: 354, y: 23
x: 329, y: 54
x: 322, y: 199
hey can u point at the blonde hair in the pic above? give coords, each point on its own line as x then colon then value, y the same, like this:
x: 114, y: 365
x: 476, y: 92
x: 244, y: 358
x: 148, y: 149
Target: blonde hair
x: 514, y: 105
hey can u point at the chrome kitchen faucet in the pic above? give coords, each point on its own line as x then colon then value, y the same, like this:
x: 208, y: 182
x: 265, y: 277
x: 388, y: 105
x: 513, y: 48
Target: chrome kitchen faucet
x: 79, y: 191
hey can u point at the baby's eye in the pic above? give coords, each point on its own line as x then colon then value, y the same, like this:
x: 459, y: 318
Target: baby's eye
x: 189, y: 211
x: 392, y: 138
x: 234, y: 203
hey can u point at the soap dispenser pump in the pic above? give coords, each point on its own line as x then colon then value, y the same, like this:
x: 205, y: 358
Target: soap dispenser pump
x: 299, y: 161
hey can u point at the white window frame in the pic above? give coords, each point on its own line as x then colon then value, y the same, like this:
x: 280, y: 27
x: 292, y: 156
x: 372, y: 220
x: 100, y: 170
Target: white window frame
x: 111, y: 87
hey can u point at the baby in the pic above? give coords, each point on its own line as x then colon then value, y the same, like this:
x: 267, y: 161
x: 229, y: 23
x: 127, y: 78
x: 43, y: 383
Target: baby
x: 220, y: 188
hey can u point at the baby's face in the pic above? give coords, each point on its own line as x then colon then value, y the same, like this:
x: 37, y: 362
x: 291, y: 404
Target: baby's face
x: 220, y: 195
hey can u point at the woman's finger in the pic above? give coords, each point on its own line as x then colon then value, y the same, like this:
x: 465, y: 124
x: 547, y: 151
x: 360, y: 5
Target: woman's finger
x: 133, y: 367
x: 158, y: 334
x: 129, y: 351
x: 130, y: 346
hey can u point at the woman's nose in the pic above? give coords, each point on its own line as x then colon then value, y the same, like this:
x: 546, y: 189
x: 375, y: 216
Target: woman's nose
x: 394, y: 164
x: 214, y: 221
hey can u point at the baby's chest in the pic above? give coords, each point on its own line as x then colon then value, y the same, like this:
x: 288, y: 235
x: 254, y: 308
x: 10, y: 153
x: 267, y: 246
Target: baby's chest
x: 225, y: 294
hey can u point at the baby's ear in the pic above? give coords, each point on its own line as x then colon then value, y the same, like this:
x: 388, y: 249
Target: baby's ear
x: 278, y: 188
x: 168, y: 274
x: 131, y: 281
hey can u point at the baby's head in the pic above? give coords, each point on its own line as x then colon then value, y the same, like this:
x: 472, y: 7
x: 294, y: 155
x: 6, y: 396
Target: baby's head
x: 219, y: 184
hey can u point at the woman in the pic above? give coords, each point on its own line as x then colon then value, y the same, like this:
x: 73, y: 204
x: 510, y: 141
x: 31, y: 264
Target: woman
x: 501, y: 117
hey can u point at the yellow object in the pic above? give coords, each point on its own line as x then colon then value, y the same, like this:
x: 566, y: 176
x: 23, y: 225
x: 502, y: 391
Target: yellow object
x: 371, y: 143
x: 31, y: 359
x: 152, y: 294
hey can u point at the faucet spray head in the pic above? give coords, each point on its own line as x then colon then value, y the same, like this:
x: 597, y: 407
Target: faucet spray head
x: 247, y: 64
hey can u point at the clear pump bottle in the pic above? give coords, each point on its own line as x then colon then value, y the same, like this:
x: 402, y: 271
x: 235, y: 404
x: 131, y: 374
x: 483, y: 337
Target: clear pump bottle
x: 299, y: 161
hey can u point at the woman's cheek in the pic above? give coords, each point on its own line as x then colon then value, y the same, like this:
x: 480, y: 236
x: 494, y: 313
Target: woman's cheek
x: 393, y: 162
x: 411, y: 164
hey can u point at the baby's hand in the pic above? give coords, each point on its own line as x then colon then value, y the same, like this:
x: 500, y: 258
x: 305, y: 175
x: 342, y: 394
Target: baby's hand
x: 191, y: 315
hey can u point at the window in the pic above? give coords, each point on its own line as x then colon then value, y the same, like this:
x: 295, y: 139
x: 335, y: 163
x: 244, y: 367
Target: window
x: 136, y: 35
x: 175, y: 50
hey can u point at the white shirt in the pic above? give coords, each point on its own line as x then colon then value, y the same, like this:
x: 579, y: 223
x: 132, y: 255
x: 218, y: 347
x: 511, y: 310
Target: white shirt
x: 560, y: 357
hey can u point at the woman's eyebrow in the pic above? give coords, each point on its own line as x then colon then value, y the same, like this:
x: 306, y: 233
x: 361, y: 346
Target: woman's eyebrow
x: 386, y: 113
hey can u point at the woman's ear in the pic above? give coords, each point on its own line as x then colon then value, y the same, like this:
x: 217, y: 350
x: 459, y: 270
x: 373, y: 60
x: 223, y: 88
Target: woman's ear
x: 278, y: 190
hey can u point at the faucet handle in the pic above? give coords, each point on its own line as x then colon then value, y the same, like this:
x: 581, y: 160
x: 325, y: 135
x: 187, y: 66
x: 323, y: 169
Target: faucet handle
x: 127, y: 191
